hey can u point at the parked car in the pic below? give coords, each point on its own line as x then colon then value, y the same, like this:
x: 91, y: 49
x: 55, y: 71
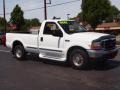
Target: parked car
x: 2, y: 38
x: 1, y: 35
x: 63, y: 40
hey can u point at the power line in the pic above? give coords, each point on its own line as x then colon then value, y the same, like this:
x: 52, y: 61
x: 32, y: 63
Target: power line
x: 29, y: 10
x: 51, y: 5
x: 64, y: 3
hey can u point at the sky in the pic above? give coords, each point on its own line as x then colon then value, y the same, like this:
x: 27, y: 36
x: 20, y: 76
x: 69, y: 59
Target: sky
x: 59, y: 11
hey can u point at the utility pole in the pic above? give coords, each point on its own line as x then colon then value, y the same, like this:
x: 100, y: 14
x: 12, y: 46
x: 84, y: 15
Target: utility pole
x: 45, y: 8
x: 4, y: 16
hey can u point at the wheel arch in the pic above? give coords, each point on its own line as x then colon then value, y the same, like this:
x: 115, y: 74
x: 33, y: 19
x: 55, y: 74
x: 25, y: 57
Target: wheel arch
x: 17, y: 42
x: 75, y: 47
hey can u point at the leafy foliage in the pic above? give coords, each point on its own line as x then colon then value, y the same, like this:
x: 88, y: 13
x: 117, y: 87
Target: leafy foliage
x: 114, y: 12
x: 17, y: 17
x: 96, y: 11
x: 31, y: 23
x: 34, y: 22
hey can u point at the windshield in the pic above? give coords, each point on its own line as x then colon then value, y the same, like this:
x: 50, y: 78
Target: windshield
x: 71, y: 27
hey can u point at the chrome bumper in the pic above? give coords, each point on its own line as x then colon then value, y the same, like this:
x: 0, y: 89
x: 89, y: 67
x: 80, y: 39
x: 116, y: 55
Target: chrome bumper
x: 102, y: 53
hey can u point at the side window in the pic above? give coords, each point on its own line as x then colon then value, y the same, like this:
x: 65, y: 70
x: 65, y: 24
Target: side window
x: 50, y: 27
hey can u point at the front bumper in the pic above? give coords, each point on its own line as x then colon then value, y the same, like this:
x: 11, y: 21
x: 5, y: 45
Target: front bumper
x: 98, y: 54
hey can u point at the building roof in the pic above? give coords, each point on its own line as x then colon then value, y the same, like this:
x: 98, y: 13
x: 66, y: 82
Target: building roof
x: 112, y: 24
x: 109, y: 26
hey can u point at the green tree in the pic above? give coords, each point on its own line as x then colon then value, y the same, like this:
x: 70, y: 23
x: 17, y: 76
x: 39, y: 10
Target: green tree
x: 114, y: 12
x: 35, y: 22
x: 95, y: 11
x: 30, y: 23
x: 27, y: 23
x: 17, y: 17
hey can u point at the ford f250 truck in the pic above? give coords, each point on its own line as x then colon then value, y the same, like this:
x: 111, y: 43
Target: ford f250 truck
x: 63, y: 40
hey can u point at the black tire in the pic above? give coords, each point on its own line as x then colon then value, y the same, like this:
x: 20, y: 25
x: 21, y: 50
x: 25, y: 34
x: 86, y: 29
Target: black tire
x: 19, y: 52
x: 78, y: 59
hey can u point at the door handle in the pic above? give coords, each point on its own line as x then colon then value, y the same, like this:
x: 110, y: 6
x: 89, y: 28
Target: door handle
x: 41, y: 39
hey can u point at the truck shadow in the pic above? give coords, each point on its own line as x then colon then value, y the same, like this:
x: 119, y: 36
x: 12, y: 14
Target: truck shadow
x: 35, y: 58
x: 108, y: 65
x: 98, y: 66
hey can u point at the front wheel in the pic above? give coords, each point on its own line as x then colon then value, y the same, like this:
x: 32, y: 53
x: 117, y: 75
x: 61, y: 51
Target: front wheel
x: 19, y: 52
x: 78, y: 59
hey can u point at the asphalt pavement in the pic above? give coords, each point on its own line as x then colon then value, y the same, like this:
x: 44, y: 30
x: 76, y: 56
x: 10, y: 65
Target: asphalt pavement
x: 36, y: 74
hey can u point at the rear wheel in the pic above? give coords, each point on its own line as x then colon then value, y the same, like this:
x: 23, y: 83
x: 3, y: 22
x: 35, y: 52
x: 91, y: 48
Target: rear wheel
x: 78, y: 59
x: 19, y: 52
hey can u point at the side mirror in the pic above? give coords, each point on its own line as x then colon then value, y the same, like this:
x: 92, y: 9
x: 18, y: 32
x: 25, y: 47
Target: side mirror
x: 57, y: 33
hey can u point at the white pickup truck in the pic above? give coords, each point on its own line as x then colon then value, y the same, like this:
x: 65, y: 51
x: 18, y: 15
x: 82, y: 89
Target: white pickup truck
x: 63, y: 40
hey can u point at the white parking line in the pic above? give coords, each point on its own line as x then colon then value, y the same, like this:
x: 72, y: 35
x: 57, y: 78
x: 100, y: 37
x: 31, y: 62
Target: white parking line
x: 4, y: 51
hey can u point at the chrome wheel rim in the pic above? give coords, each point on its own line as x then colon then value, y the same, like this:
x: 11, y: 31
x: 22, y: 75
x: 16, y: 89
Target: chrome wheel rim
x: 18, y: 53
x: 78, y: 60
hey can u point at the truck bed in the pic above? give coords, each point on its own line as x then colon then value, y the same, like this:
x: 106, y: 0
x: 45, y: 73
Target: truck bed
x: 29, y: 40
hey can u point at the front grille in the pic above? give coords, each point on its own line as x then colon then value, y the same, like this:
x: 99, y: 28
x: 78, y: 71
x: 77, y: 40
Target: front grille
x: 109, y: 44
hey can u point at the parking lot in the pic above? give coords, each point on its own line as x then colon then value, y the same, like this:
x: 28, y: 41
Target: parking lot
x: 37, y: 74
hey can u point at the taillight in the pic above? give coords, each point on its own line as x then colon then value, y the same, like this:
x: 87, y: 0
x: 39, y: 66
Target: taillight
x: 96, y: 46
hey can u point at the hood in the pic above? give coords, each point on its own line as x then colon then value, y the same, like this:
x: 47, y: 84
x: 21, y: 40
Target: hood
x: 87, y: 36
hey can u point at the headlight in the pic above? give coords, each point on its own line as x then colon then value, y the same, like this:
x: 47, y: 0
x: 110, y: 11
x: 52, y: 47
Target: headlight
x: 96, y: 46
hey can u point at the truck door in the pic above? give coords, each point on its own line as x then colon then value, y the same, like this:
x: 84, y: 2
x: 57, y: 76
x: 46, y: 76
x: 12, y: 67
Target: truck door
x: 50, y: 46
